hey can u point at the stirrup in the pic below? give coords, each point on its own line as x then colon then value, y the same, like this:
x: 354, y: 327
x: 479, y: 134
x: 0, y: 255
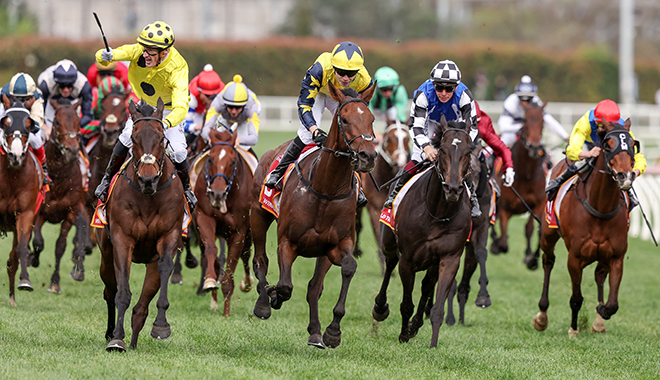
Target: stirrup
x: 190, y: 198
x: 101, y: 191
x: 362, y: 199
x: 273, y: 182
x: 476, y: 209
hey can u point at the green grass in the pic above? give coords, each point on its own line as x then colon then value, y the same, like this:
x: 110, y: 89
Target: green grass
x: 62, y: 336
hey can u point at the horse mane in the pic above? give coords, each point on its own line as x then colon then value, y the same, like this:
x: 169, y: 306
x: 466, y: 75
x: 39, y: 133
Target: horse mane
x: 350, y: 92
x: 144, y: 109
x: 435, y: 141
x: 115, y: 90
x: 64, y: 101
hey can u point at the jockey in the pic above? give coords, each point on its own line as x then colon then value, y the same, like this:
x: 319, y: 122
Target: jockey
x: 344, y: 67
x: 512, y: 117
x: 586, y: 131
x: 23, y: 88
x: 442, y: 94
x: 390, y: 99
x: 97, y: 72
x: 63, y: 80
x: 488, y: 135
x: 203, y: 88
x: 237, y: 109
x: 157, y: 70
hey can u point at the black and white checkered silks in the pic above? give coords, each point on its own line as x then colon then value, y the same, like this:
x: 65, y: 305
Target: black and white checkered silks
x: 446, y: 72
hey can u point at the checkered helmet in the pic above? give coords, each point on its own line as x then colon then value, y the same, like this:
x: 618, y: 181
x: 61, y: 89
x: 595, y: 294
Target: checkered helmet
x: 446, y: 72
x: 526, y: 87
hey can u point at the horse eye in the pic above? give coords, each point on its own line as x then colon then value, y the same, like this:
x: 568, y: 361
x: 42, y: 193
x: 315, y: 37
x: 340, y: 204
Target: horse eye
x: 343, y: 120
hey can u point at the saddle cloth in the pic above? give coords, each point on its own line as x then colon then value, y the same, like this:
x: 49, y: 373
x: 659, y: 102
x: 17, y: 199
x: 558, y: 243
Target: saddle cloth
x: 200, y: 161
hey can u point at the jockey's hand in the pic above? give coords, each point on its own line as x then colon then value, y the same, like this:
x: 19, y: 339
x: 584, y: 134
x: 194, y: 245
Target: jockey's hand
x: 637, y: 173
x: 508, y: 177
x: 594, y: 152
x: 107, y: 55
x: 431, y: 153
x: 319, y: 136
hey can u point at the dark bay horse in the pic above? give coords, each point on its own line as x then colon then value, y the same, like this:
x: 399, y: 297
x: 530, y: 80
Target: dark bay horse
x: 65, y: 202
x: 20, y: 183
x: 145, y: 214
x: 528, y: 155
x: 393, y: 155
x: 594, y: 226
x: 224, y: 193
x: 432, y: 224
x: 317, y: 213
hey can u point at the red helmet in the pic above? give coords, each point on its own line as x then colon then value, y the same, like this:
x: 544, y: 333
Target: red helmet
x: 209, y: 82
x: 608, y: 110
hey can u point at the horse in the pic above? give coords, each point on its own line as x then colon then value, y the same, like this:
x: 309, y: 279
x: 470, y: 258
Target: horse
x: 144, y: 227
x: 65, y: 202
x: 432, y: 223
x: 594, y: 226
x: 225, y: 198
x: 528, y: 155
x: 20, y: 183
x: 393, y: 155
x: 317, y: 213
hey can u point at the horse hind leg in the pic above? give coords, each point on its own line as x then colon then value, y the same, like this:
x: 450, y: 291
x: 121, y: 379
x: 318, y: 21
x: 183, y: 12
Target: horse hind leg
x: 500, y: 244
x: 332, y: 334
x: 446, y: 275
x: 531, y: 259
x: 387, y: 245
x: 81, y: 245
x: 549, y: 238
x: 428, y: 283
x: 612, y: 306
x: 314, y: 290
x: 60, y: 247
x: 161, y: 329
x: 248, y: 280
x: 177, y: 277
x: 450, y: 318
x: 575, y: 270
x: 600, y: 275
x: 259, y: 223
x: 191, y: 261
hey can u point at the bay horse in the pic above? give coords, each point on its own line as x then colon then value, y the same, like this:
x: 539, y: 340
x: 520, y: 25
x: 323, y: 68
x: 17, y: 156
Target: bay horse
x: 393, y: 155
x: 20, y: 183
x: 528, y: 156
x: 145, y: 211
x: 594, y: 226
x: 317, y: 213
x: 65, y: 202
x: 224, y: 193
x: 432, y: 225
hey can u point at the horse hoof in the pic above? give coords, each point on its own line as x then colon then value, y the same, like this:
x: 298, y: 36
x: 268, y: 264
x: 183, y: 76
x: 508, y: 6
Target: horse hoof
x: 381, y: 315
x: 25, y: 285
x: 247, y: 286
x: 572, y: 334
x: 540, y: 321
x: 483, y: 302
x: 12, y: 301
x: 404, y: 337
x: 176, y: 278
x: 116, y: 345
x: 450, y: 320
x: 316, y: 341
x: 192, y: 263
x: 599, y: 325
x: 214, y: 304
x: 531, y: 262
x: 55, y: 288
x: 210, y: 284
x: 330, y: 340
x: 78, y: 275
x: 33, y: 260
x: 261, y: 312
x: 161, y: 332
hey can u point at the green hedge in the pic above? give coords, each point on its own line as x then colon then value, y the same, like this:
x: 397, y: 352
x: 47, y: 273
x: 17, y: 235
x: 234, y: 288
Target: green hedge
x: 276, y: 66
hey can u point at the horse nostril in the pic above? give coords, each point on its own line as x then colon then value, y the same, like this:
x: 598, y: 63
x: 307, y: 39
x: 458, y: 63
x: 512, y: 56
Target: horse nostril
x: 621, y: 177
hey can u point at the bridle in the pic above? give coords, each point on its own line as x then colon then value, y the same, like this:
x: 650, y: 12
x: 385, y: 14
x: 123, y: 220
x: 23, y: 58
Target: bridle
x: 439, y: 172
x: 55, y: 138
x: 353, y: 155
x: 389, y: 158
x: 150, y: 159
x: 17, y: 133
x: 112, y: 118
x: 210, y: 179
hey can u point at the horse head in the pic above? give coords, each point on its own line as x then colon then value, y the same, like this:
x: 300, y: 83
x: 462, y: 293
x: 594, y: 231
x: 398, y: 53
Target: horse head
x: 15, y: 125
x: 394, y: 145
x: 148, y: 145
x: 453, y: 161
x: 532, y: 130
x: 113, y: 116
x: 618, y: 149
x: 65, y: 135
x: 354, y: 124
x: 222, y: 164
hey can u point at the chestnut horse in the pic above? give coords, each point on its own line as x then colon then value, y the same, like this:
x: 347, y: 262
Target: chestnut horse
x: 20, y: 183
x: 224, y: 211
x: 594, y: 226
x: 65, y: 202
x: 145, y: 214
x: 317, y: 213
x: 528, y: 155
x: 432, y: 224
x: 393, y: 155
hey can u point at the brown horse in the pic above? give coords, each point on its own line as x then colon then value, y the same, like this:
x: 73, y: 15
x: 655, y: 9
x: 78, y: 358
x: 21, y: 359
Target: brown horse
x: 145, y: 214
x: 65, y: 202
x: 528, y: 155
x: 317, y: 213
x: 594, y: 226
x: 432, y: 224
x: 393, y: 155
x: 20, y: 183
x: 224, y: 211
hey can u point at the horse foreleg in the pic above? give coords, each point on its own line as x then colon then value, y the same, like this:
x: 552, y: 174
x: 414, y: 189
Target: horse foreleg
x: 387, y: 244
x: 60, y: 247
x: 248, y: 280
x: 171, y: 244
x: 206, y: 226
x: 469, y: 267
x: 332, y: 334
x: 314, y: 290
x: 600, y: 275
x: 141, y: 309
x: 285, y: 257
x: 37, y: 241
x: 122, y: 253
x: 428, y: 283
x: 357, y: 252
x: 446, y: 276
x: 374, y: 217
x: 12, y: 267
x: 479, y: 240
x: 575, y: 270
x: 500, y: 245
x: 407, y: 307
x: 21, y: 236
x: 177, y: 277
x: 259, y: 222
x: 549, y: 238
x: 191, y: 261
x: 612, y: 305
x: 236, y: 245
x: 450, y: 319
x: 107, y: 273
x: 531, y: 259
x: 82, y: 244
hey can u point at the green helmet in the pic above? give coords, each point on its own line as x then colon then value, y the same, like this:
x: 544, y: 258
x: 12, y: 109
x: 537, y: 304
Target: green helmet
x: 386, y: 76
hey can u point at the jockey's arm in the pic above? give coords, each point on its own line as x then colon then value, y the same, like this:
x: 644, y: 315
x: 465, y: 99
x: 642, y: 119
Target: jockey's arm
x: 310, y: 87
x: 556, y: 126
x: 579, y: 135
x: 252, y: 130
x: 487, y: 133
x: 418, y: 114
x: 86, y: 105
x: 640, y: 161
x: 179, y: 83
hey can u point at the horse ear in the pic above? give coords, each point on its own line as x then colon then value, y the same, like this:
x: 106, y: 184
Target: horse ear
x: 132, y: 110
x: 443, y: 122
x: 159, y: 108
x: 54, y: 103
x: 6, y: 102
x: 75, y: 103
x: 368, y: 93
x: 335, y: 93
x: 626, y: 125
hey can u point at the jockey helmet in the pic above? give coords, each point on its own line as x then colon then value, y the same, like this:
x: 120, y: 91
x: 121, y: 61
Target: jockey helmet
x: 446, y: 72
x: 526, y: 89
x: 110, y: 83
x: 608, y: 110
x: 386, y: 77
x: 208, y: 81
x: 65, y: 72
x: 109, y: 68
x: 22, y: 85
x: 158, y: 35
x: 347, y: 56
x: 236, y: 92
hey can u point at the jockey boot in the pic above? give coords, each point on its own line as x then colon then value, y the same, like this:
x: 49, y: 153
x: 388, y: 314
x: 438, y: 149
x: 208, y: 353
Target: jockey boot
x: 553, y: 186
x: 474, y: 201
x: 405, y: 177
x: 47, y: 180
x: 182, y: 170
x: 289, y: 157
x: 632, y: 199
x: 40, y: 153
x: 362, y: 199
x: 118, y: 157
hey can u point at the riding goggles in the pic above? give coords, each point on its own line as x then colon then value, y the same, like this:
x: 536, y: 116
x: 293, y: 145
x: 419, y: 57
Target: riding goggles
x: 439, y: 87
x: 525, y: 98
x: 346, y: 73
x: 387, y: 88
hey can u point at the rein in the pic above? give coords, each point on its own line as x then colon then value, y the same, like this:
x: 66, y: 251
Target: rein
x: 351, y: 153
x: 230, y: 180
x: 320, y: 195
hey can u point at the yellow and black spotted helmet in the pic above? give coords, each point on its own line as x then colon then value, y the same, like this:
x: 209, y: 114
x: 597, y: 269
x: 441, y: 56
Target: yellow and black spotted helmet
x: 157, y: 34
x: 347, y: 56
x: 235, y: 92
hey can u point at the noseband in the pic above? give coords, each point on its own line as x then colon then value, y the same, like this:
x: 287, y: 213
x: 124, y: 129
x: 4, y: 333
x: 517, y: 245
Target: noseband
x: 435, y: 166
x: 148, y: 158
x: 17, y: 133
x: 230, y: 180
x: 353, y: 155
x: 400, y: 149
x: 623, y: 142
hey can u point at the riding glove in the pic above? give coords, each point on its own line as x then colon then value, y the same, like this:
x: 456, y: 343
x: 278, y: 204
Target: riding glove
x: 319, y: 137
x: 107, y: 55
x: 509, y: 175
